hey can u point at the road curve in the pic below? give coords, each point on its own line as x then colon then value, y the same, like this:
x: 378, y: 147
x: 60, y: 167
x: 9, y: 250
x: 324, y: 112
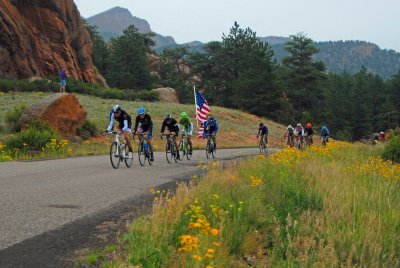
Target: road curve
x: 45, y: 203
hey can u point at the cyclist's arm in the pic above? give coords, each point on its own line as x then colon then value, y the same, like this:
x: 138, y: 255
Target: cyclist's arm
x: 110, y: 126
x: 216, y: 127
x: 136, y: 124
x: 164, y: 125
x: 125, y: 125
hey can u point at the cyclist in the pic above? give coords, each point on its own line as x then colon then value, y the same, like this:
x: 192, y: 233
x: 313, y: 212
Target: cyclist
x: 263, y: 131
x: 186, y: 125
x: 309, y: 132
x: 382, y: 136
x: 124, y: 124
x: 146, y: 125
x: 289, y: 135
x: 324, y: 132
x: 172, y: 125
x: 211, y: 128
x: 299, y: 132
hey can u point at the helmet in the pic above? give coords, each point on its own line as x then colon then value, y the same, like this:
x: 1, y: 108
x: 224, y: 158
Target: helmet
x: 116, y: 108
x: 184, y: 115
x: 141, y: 110
x: 308, y: 124
x: 261, y: 124
x: 168, y: 117
x: 289, y: 126
x: 299, y: 124
x: 211, y: 117
x: 382, y: 132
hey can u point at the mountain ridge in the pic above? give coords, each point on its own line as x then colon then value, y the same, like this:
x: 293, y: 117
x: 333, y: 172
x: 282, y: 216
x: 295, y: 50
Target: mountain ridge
x: 339, y: 56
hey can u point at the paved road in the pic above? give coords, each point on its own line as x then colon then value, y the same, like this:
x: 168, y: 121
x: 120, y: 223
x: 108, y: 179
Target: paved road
x: 49, y: 202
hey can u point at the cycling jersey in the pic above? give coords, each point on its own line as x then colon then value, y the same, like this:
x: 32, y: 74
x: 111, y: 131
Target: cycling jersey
x: 124, y: 121
x: 172, y: 126
x: 324, y: 132
x: 299, y: 131
x: 211, y: 127
x: 290, y: 131
x: 186, y: 125
x: 145, y: 123
x: 263, y: 130
x: 308, y: 131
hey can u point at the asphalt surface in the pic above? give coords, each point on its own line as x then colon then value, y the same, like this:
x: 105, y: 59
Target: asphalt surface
x: 49, y: 210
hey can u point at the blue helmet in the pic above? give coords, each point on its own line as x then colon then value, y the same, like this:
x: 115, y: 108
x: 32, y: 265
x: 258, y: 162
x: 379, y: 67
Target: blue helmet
x: 211, y: 118
x: 141, y: 110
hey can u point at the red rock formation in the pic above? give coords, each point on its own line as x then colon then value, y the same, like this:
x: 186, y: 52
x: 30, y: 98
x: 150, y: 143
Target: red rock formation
x: 167, y: 94
x: 38, y: 37
x: 62, y: 111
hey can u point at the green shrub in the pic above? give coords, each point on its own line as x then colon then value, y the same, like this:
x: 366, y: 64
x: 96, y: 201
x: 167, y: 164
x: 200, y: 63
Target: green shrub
x: 32, y: 140
x: 392, y: 149
x: 12, y: 117
x: 89, y: 129
x: 344, y: 135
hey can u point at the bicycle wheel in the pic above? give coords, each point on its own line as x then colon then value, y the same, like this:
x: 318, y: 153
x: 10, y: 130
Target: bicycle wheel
x: 114, y: 155
x: 128, y: 161
x: 208, y: 151
x: 168, y: 152
x: 141, y: 154
x: 261, y: 146
x: 148, y: 154
x: 298, y: 144
x: 174, y: 151
x: 182, y: 148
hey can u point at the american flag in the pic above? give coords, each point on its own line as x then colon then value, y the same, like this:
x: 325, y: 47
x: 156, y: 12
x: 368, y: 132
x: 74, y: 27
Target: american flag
x: 202, y: 110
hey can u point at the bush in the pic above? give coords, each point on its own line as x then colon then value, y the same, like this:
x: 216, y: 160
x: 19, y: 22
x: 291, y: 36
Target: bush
x: 89, y: 129
x: 32, y: 140
x: 392, y: 149
x: 12, y: 117
x: 344, y: 135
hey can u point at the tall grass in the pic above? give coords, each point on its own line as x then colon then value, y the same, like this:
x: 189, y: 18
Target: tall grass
x: 325, y: 207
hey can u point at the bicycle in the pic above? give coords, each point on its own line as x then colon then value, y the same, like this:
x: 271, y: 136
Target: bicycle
x: 290, y: 141
x: 262, y: 146
x: 324, y: 140
x: 170, y: 150
x: 210, y: 147
x: 144, y: 152
x: 308, y: 140
x: 299, y: 142
x: 119, y: 150
x: 184, y: 146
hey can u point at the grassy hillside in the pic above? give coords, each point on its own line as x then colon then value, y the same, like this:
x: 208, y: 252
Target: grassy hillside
x: 294, y: 209
x: 237, y: 128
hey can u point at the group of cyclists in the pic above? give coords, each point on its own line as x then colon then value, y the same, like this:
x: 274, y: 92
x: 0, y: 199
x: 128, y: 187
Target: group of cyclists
x: 170, y: 126
x: 300, y: 135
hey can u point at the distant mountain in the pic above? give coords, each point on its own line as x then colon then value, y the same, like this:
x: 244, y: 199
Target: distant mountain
x: 350, y: 56
x: 113, y: 22
x: 338, y: 56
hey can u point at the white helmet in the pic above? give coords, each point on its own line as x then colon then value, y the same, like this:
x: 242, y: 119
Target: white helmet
x: 289, y: 126
x: 116, y: 108
x: 299, y: 124
x: 382, y: 132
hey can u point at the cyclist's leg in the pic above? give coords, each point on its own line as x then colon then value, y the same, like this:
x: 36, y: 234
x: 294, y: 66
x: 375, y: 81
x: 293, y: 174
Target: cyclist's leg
x: 127, y: 135
x: 176, y: 144
x: 189, y: 140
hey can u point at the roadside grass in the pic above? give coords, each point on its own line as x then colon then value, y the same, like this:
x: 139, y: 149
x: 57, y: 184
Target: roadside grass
x: 237, y: 129
x: 325, y: 207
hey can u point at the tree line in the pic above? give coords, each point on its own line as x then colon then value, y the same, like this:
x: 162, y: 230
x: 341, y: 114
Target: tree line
x: 241, y: 72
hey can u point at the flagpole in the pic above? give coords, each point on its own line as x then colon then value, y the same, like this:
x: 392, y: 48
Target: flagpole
x: 195, y: 107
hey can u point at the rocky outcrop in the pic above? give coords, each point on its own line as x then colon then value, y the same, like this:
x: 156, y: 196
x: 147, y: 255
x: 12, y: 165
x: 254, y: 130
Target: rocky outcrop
x: 167, y: 94
x: 63, y: 112
x: 38, y: 37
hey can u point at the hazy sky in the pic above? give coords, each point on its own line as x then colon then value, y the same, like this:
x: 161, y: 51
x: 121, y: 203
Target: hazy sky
x: 376, y: 21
